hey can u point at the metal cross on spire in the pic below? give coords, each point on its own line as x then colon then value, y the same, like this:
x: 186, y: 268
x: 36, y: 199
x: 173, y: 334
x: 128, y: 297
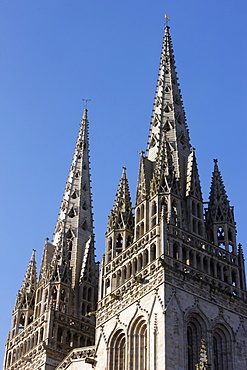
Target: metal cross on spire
x: 167, y: 20
x: 86, y: 102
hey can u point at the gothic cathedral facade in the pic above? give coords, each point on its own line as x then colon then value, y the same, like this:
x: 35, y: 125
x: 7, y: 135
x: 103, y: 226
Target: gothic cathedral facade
x: 171, y: 289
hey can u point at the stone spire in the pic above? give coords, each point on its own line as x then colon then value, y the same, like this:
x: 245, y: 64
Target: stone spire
x: 121, y: 215
x: 30, y: 279
x: 24, y: 306
x: 168, y: 114
x: 75, y: 222
x: 219, y: 209
x: 120, y: 222
x: 220, y: 216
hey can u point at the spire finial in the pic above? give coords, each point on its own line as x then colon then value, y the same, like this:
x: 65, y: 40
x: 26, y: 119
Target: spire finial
x: 167, y: 20
x: 86, y: 102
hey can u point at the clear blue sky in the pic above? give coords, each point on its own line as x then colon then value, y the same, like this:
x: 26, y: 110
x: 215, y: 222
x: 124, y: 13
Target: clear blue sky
x: 55, y: 53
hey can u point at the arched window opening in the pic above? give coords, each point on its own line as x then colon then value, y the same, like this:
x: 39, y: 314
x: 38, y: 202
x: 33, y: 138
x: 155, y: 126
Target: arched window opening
x: 30, y: 318
x: 118, y: 282
x: 198, y: 261
x: 60, y: 335
x: 221, y: 349
x: 21, y: 322
x: 82, y: 342
x: 89, y: 294
x: 230, y: 235
x: 198, y: 208
x: 14, y: 356
x: 145, y: 257
x: 220, y: 233
x: 9, y: 359
x: 193, y: 208
x: 142, y: 228
x: 174, y: 213
x: 218, y: 271
x: 184, y: 252
x: 68, y: 338
x: 153, y: 221
x: 70, y: 245
x: 139, y: 262
x: 138, y: 345
x: 119, y: 243
x: 175, y: 251
x: 194, y: 225
x: 128, y: 241
x: 137, y: 232
x: 205, y: 264
x: 191, y: 258
x: 117, y: 351
x: 212, y: 268
x: 152, y: 252
x: 41, y: 335
x: 199, y: 227
x: 138, y: 214
x: 62, y: 295
x: 84, y: 294
x: 134, y: 266
x: 75, y: 340
x: 109, y: 244
x: 124, y: 273
x: 142, y: 211
x: 153, y: 209
x: 54, y: 296
x: 194, y: 337
x: 83, y: 309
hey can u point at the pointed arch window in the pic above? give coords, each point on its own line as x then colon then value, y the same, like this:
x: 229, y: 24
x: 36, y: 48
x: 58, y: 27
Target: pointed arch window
x: 138, y: 344
x: 117, y: 351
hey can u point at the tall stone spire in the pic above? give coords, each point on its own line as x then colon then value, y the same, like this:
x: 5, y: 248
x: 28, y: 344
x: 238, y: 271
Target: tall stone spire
x: 55, y: 308
x: 168, y: 114
x: 75, y: 223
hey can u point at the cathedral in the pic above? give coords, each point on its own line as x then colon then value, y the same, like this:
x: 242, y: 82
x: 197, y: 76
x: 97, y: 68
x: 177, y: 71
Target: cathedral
x: 170, y: 292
